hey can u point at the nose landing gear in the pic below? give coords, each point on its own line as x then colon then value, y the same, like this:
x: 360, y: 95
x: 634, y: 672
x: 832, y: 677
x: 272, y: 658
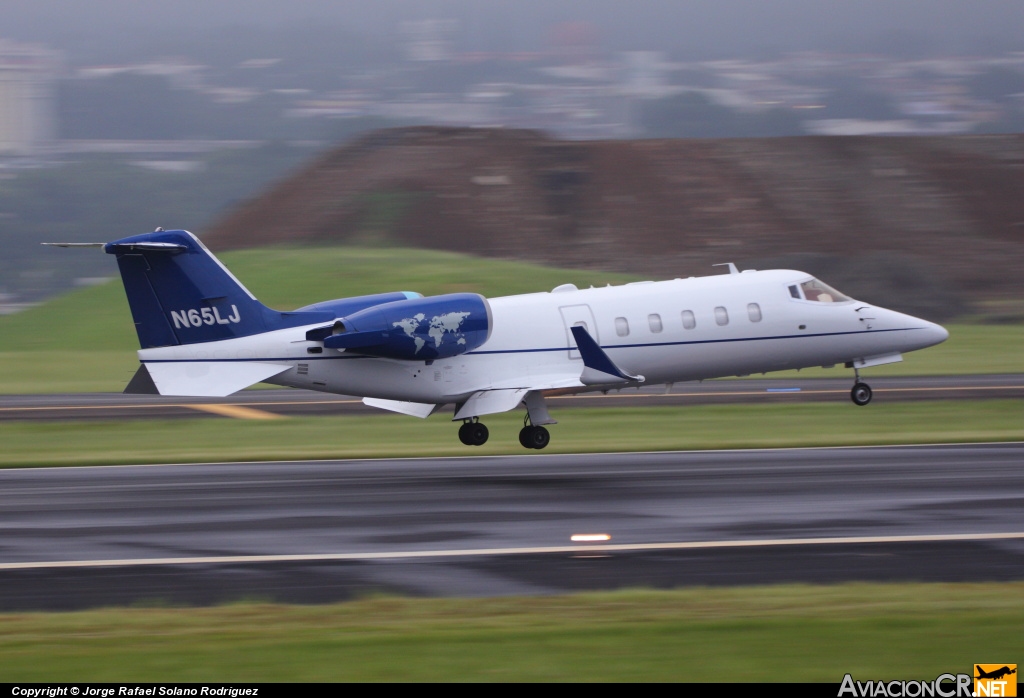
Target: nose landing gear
x: 861, y: 392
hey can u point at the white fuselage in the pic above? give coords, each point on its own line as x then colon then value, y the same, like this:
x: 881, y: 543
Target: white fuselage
x: 667, y: 331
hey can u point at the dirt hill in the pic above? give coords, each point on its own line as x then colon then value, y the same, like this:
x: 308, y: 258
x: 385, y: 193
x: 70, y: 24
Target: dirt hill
x: 932, y: 222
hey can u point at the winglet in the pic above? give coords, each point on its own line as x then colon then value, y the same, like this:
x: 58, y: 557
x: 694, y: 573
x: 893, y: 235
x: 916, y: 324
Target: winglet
x: 598, y: 368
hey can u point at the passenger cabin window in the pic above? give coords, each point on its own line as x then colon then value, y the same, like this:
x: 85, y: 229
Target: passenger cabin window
x: 689, y: 321
x: 819, y: 292
x: 754, y: 312
x: 621, y: 326
x: 654, y: 320
x: 582, y: 324
x: 721, y: 316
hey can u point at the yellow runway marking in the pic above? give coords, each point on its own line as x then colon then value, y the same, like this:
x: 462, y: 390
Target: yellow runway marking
x: 236, y: 411
x: 479, y: 552
x: 164, y: 405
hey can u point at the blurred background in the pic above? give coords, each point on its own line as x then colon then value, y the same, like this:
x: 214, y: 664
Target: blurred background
x: 877, y: 144
x: 117, y: 116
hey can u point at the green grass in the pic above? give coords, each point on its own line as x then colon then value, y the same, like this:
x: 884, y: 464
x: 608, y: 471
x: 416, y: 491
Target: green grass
x: 783, y: 633
x: 66, y: 371
x: 85, y: 341
x: 579, y: 431
x: 969, y: 349
x: 97, y: 318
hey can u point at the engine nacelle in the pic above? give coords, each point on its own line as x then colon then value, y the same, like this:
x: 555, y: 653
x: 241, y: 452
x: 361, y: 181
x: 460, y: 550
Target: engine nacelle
x: 347, y: 306
x: 436, y: 327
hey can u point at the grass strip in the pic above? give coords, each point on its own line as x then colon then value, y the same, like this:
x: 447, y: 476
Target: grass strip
x: 970, y: 349
x: 580, y: 430
x: 85, y: 341
x: 98, y: 318
x: 776, y: 633
x: 66, y: 371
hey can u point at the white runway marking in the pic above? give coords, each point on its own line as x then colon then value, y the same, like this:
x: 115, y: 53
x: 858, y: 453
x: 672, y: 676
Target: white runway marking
x: 480, y: 552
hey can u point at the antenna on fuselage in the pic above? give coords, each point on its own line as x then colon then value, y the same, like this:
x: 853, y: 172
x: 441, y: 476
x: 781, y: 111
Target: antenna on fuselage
x: 732, y: 267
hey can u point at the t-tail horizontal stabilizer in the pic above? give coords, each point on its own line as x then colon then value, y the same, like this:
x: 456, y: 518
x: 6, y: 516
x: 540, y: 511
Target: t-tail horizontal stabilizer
x: 598, y: 368
x: 180, y: 294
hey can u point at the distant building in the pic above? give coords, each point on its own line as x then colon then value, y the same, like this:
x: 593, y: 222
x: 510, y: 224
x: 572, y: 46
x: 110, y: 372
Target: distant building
x: 27, y: 114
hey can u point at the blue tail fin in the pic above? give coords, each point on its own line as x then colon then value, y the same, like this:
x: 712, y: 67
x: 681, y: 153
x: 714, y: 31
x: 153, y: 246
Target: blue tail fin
x: 179, y: 293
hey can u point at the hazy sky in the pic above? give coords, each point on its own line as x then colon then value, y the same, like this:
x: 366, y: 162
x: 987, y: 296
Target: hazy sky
x: 687, y: 28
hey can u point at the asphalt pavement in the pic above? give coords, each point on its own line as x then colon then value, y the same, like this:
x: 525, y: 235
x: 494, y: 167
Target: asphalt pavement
x: 310, y: 532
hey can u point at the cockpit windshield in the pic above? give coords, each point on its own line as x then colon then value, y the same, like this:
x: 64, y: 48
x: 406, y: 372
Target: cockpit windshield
x: 819, y: 292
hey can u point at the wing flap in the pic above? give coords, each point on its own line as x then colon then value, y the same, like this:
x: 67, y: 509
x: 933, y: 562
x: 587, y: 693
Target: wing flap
x: 490, y: 402
x: 413, y: 409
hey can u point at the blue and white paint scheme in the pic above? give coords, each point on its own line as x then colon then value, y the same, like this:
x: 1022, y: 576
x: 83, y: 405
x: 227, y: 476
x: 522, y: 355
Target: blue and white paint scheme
x: 203, y: 333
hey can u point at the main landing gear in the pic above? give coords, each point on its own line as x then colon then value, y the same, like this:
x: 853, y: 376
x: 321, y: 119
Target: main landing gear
x: 534, y: 437
x: 861, y: 393
x: 473, y: 433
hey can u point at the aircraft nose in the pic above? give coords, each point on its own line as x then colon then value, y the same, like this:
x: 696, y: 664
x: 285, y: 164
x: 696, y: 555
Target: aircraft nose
x: 919, y: 334
x: 938, y: 333
x: 930, y: 334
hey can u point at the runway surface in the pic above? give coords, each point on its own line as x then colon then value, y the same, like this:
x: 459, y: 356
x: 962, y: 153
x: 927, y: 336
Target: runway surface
x: 325, y: 531
x: 256, y: 404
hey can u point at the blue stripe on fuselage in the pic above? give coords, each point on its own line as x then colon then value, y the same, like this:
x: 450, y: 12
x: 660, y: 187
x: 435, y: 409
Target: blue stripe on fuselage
x: 609, y: 347
x: 548, y: 349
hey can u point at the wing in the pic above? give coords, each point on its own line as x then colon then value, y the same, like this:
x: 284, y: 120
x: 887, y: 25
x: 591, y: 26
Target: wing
x: 507, y: 394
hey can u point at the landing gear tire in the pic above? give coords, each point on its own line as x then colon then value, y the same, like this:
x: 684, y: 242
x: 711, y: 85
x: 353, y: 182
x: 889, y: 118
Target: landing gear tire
x: 861, y: 394
x: 534, y: 437
x: 473, y: 434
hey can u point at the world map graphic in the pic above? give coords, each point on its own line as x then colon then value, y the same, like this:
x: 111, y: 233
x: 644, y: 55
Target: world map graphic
x: 437, y: 328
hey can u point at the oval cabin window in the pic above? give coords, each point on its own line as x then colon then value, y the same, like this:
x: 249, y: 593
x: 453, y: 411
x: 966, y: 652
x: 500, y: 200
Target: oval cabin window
x: 689, y: 321
x: 721, y: 316
x: 621, y: 326
x: 754, y: 312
